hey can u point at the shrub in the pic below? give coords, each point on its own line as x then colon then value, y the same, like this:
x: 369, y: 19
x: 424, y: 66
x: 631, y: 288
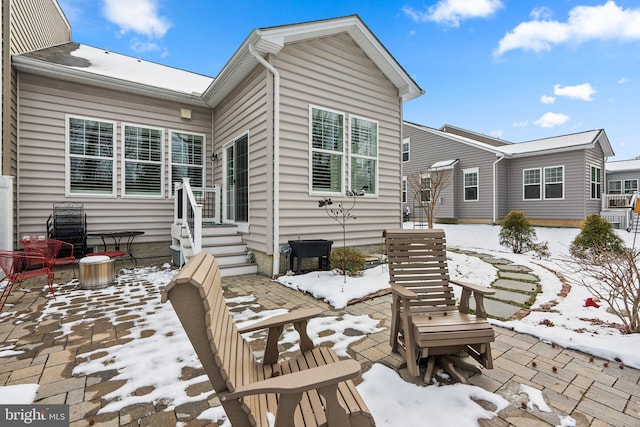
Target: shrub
x: 348, y: 260
x: 596, y: 235
x: 517, y: 233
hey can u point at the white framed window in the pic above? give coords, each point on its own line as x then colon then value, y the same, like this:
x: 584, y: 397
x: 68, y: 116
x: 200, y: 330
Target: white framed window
x: 326, y: 130
x: 90, y: 157
x: 404, y: 189
x: 630, y: 186
x: 532, y: 184
x: 406, y: 145
x: 471, y: 190
x: 364, y: 155
x: 554, y: 182
x: 615, y: 187
x: 187, y: 158
x: 425, y: 188
x: 596, y: 182
x: 142, y: 165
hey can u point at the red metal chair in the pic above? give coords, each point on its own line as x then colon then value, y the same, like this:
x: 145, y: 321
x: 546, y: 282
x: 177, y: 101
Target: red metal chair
x: 50, y: 249
x: 19, y: 266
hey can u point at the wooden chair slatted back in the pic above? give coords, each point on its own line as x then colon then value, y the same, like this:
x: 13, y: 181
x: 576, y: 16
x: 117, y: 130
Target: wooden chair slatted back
x: 418, y: 261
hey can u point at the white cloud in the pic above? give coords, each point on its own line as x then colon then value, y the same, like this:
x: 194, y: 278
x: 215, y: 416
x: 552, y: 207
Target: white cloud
x: 546, y: 99
x: 138, y: 16
x: 623, y: 80
x: 582, y: 92
x: 542, y: 12
x: 497, y: 133
x: 549, y: 120
x: 605, y: 22
x: 451, y: 12
x: 521, y: 124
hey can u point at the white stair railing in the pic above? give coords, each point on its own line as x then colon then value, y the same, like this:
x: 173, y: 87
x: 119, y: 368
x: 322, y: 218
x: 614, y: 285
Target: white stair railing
x: 188, y: 213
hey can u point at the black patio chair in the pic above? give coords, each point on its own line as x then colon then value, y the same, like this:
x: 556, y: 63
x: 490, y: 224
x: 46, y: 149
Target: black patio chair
x: 68, y: 222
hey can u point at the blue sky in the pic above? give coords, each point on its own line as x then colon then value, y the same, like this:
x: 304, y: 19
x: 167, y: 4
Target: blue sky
x: 513, y: 69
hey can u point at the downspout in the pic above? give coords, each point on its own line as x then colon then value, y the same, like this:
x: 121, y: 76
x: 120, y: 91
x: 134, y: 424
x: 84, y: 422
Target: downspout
x: 495, y: 187
x: 276, y: 159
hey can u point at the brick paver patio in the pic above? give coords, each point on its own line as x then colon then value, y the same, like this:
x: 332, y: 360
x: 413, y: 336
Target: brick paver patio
x: 591, y: 391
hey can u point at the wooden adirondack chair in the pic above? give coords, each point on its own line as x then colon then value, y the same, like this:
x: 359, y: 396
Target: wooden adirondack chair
x: 426, y: 323
x: 312, y: 389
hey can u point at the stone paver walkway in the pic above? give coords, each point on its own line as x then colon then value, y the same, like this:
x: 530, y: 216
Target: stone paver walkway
x: 592, y: 391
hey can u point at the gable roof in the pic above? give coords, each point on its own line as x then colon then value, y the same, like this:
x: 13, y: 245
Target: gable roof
x: 623, y: 165
x: 97, y: 67
x: 271, y: 40
x: 557, y: 144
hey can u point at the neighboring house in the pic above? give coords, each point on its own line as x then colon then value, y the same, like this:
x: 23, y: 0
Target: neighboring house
x: 27, y: 25
x: 621, y: 177
x: 555, y: 181
x: 299, y: 113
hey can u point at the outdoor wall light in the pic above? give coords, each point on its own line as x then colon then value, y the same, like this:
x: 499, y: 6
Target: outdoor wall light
x: 214, y: 156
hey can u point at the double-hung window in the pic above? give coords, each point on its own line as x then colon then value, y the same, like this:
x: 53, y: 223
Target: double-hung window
x: 91, y: 157
x: 406, y: 144
x: 470, y: 184
x: 327, y: 151
x: 364, y: 155
x: 615, y: 187
x: 554, y: 182
x: 142, y: 161
x: 187, y: 158
x: 596, y: 182
x: 425, y: 188
x: 630, y: 186
x: 404, y: 189
x: 532, y: 183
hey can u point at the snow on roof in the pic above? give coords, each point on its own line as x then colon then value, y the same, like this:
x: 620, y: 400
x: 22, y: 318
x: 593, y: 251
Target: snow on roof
x: 444, y: 164
x: 573, y: 140
x: 124, y: 67
x: 623, y: 165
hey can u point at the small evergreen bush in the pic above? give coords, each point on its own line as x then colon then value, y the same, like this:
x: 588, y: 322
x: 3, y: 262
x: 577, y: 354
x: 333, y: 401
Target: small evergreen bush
x: 517, y: 233
x: 348, y: 260
x: 596, y: 235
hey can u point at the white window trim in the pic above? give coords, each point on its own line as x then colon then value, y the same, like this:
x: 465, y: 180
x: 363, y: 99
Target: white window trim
x: 593, y: 182
x: 123, y: 161
x: 67, y: 158
x: 624, y: 181
x: 243, y: 227
x: 544, y: 183
x: 204, y: 157
x: 619, y: 181
x: 524, y: 185
x: 422, y: 177
x: 345, y: 142
x: 464, y: 185
x: 376, y: 157
x: 405, y: 189
x: 408, y: 142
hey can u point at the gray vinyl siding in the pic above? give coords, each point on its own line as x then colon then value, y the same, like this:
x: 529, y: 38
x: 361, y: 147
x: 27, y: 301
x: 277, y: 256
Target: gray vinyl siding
x: 622, y: 176
x: 502, y: 180
x: 571, y: 207
x: 428, y: 148
x: 333, y: 73
x: 593, y: 157
x: 43, y: 106
x: 36, y: 24
x: 249, y: 109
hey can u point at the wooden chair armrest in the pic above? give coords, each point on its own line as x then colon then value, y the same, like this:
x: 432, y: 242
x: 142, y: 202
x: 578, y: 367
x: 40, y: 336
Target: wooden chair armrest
x: 275, y: 325
x: 475, y: 288
x: 478, y: 295
x: 282, y: 319
x: 301, y: 381
x: 402, y: 291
